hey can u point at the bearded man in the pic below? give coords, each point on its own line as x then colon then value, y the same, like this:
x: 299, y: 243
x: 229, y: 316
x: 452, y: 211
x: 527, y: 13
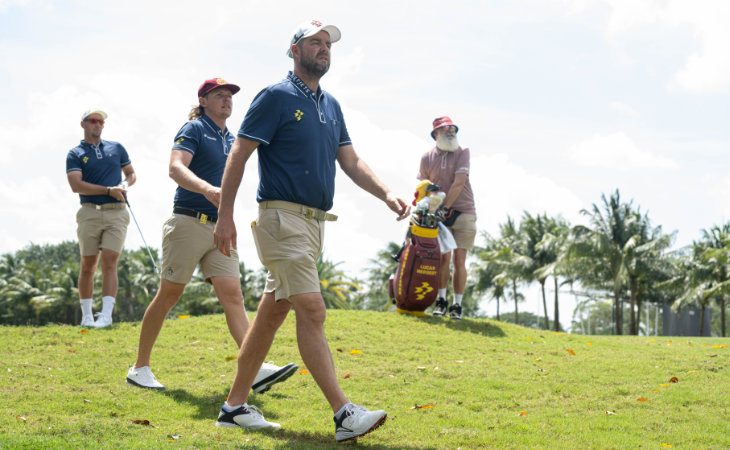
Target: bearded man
x: 447, y: 164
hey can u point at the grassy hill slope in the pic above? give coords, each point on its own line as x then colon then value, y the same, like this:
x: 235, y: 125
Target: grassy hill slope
x: 444, y: 384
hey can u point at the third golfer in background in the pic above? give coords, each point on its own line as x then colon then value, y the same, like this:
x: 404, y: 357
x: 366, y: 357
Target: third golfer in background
x: 447, y: 164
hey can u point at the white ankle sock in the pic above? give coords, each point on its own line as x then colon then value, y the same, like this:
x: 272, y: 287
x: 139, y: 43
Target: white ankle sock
x: 107, y: 305
x: 229, y: 408
x: 86, y: 307
x: 457, y: 299
x: 442, y: 293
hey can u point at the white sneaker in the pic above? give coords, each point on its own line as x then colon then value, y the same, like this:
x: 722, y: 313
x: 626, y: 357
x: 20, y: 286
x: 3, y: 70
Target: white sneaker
x: 270, y: 374
x: 356, y: 421
x: 88, y: 321
x: 142, y: 377
x: 245, y: 416
x: 102, y: 320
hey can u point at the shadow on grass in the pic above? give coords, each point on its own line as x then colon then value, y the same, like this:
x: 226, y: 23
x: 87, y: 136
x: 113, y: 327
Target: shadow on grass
x: 465, y: 324
x: 209, y: 406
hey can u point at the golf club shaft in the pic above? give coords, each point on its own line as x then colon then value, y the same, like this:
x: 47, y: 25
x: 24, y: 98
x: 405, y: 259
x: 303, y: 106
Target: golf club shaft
x: 157, y: 271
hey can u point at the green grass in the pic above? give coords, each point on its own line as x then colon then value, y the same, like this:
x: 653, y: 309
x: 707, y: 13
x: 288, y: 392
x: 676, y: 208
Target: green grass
x: 491, y: 384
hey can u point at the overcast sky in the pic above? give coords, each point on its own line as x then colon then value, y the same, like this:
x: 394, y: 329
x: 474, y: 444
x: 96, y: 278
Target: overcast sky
x: 560, y: 101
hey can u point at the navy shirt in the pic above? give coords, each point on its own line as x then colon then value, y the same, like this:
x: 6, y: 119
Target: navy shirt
x: 299, y: 132
x: 100, y: 164
x: 209, y: 146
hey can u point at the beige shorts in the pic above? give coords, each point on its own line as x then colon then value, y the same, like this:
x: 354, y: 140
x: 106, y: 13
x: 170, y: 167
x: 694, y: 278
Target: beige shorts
x: 288, y: 245
x: 187, y: 243
x: 464, y: 230
x: 101, y: 228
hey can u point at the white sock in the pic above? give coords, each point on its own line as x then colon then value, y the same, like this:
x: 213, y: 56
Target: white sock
x: 229, y: 408
x: 107, y: 305
x: 457, y: 299
x: 86, y: 307
x: 442, y: 293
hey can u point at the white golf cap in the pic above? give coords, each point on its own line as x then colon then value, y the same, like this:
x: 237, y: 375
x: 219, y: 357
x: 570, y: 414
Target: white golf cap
x: 307, y: 29
x: 89, y: 112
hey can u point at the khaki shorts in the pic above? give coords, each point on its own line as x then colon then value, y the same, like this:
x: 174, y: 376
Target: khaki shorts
x: 464, y: 230
x: 101, y: 228
x: 288, y: 245
x: 187, y: 243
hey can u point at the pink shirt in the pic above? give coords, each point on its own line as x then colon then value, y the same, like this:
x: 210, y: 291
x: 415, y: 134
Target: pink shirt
x: 440, y: 167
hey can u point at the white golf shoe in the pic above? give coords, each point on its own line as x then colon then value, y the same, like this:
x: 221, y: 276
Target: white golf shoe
x: 143, y: 377
x: 102, y: 320
x: 88, y: 321
x: 356, y: 421
x: 270, y: 374
x: 245, y: 416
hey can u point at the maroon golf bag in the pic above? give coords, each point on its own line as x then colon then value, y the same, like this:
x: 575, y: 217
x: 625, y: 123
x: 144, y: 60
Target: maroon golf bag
x: 414, y: 286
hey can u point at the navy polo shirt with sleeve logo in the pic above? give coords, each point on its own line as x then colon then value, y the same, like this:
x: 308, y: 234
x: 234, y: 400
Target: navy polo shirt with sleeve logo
x: 299, y: 134
x: 209, y: 146
x: 100, y: 165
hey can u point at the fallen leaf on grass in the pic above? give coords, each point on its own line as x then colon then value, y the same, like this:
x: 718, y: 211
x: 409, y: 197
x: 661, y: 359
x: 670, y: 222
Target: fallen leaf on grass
x: 657, y: 390
x: 674, y: 380
x: 84, y: 331
x: 87, y: 400
x: 144, y: 422
x: 663, y: 384
x: 664, y: 444
x: 304, y: 371
x: 70, y: 351
x: 231, y: 357
x: 692, y: 371
x: 355, y: 352
x: 21, y: 418
x: 339, y: 350
x: 530, y: 339
x: 652, y: 340
x: 641, y: 399
x: 719, y: 346
x: 713, y: 356
x: 610, y: 413
x: 417, y: 406
x: 523, y: 413
x: 183, y: 316
x: 589, y: 343
x: 174, y: 437
x: 346, y: 376
x: 570, y: 351
x: 421, y: 368
x: 537, y: 359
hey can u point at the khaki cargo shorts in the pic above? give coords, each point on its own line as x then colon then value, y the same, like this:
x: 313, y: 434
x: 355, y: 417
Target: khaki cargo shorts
x: 465, y: 230
x: 101, y: 228
x: 187, y: 243
x: 288, y: 246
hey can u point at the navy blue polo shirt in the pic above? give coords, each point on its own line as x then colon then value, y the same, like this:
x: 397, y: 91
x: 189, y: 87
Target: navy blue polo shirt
x: 209, y: 146
x: 300, y: 133
x: 100, y: 164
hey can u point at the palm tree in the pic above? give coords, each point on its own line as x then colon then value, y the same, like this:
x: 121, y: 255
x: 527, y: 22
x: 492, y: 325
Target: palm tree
x: 602, y: 250
x: 378, y: 273
x: 553, y: 245
x: 336, y: 287
x: 485, y: 273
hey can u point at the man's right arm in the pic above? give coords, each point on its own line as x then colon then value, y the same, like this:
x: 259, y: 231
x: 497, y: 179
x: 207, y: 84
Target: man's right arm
x: 185, y: 178
x: 225, y: 229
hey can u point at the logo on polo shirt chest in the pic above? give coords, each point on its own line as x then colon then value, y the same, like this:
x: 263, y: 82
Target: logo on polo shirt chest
x: 86, y: 158
x: 298, y: 114
x: 210, y: 137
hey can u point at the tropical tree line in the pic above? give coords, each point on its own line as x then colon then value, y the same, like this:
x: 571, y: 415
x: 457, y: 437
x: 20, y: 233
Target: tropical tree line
x: 615, y: 263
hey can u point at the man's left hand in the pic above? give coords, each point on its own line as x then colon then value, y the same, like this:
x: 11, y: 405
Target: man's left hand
x: 400, y: 206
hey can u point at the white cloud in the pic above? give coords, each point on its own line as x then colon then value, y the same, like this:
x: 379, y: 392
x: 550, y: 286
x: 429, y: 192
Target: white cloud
x: 624, y: 108
x: 617, y: 151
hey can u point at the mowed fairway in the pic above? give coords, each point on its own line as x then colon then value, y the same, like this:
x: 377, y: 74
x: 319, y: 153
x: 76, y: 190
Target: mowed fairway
x: 445, y: 384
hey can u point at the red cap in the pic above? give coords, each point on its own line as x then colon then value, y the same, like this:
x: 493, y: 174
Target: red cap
x: 213, y: 83
x: 441, y: 122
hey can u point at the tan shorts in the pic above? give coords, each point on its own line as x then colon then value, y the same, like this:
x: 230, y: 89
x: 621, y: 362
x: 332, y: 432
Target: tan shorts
x: 288, y: 245
x: 101, y: 228
x: 187, y: 243
x: 464, y: 230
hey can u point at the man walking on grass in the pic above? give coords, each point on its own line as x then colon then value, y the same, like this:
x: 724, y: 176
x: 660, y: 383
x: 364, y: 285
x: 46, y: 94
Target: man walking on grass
x: 299, y: 132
